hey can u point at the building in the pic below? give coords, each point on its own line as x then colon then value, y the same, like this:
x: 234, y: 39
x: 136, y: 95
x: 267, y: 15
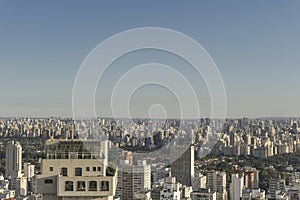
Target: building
x: 127, y: 155
x: 5, y: 192
x: 134, y: 181
x: 199, y: 181
x: 183, y: 167
x: 203, y: 194
x: 21, y: 187
x: 251, y: 178
x: 159, y: 174
x: 276, y: 188
x: 216, y: 182
x: 76, y: 169
x: 155, y: 190
x: 13, y: 160
x: 28, y: 170
x: 29, y: 175
x: 257, y: 194
x: 170, y: 190
x: 293, y: 189
x: 186, y: 192
x: 236, y: 186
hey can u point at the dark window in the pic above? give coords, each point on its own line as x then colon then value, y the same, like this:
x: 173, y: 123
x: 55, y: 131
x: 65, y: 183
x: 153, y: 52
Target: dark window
x: 87, y: 169
x: 48, y: 181
x: 93, y: 186
x: 94, y: 169
x: 64, y: 171
x: 51, y: 169
x: 78, y: 171
x: 69, y: 186
x: 104, y: 186
x: 99, y: 169
x: 80, y: 186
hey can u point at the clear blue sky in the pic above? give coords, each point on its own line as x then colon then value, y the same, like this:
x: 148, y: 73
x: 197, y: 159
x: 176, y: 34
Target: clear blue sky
x: 256, y: 45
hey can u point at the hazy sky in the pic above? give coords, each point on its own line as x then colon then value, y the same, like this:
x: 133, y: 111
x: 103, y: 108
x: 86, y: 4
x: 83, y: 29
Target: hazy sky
x: 255, y: 44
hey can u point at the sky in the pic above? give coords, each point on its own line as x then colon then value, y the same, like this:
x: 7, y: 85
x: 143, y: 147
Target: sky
x: 255, y: 45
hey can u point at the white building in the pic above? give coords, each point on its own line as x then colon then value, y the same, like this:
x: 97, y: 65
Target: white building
x: 76, y: 169
x: 134, y: 181
x: 216, y: 182
x: 28, y: 170
x: 236, y: 187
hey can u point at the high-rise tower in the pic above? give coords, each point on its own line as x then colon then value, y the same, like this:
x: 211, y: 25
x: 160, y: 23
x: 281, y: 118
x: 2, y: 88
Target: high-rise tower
x: 183, y: 167
x: 13, y: 160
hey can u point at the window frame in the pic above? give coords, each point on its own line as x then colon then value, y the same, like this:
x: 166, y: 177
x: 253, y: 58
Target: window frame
x: 95, y: 188
x: 66, y: 186
x: 78, y: 171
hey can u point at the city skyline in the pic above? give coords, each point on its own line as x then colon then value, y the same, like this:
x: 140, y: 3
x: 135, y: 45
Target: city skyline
x: 255, y: 46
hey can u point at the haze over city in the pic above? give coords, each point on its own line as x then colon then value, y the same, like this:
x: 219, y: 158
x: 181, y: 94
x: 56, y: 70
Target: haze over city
x: 255, y: 45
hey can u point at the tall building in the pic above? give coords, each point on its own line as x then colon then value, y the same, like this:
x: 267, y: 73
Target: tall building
x: 183, y: 167
x: 76, y: 169
x: 29, y: 175
x: 216, y: 182
x: 13, y: 160
x: 28, y: 170
x: 134, y: 181
x: 21, y: 187
x: 251, y: 178
x: 276, y: 186
x: 199, y: 182
x: 236, y: 187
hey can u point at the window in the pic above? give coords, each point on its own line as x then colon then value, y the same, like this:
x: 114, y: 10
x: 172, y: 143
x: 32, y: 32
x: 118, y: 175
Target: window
x: 99, y: 169
x: 104, y: 186
x: 78, y: 171
x: 48, y: 181
x: 93, y: 186
x: 80, y: 186
x: 64, y: 171
x: 51, y: 169
x: 87, y: 169
x: 94, y: 169
x: 69, y: 186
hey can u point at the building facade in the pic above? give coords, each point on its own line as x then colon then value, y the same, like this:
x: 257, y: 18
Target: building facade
x: 183, y: 167
x: 13, y: 160
x: 75, y: 169
x: 134, y: 181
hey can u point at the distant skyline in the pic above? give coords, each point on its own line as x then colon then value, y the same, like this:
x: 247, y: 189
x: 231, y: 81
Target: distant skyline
x: 255, y: 45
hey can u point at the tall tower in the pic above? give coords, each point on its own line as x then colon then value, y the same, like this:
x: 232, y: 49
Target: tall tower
x: 13, y: 160
x: 236, y: 187
x: 216, y: 182
x: 276, y: 185
x: 183, y: 167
